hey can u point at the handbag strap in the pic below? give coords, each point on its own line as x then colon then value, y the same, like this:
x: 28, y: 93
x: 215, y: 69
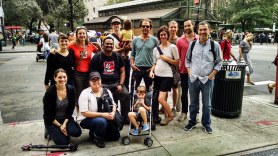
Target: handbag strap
x: 160, y: 52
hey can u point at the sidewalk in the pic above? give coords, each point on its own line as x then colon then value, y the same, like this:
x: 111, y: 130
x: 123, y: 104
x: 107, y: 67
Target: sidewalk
x: 256, y: 127
x: 29, y: 47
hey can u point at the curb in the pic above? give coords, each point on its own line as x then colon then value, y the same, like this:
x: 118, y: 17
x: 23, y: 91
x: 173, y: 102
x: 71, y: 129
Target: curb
x: 6, y: 52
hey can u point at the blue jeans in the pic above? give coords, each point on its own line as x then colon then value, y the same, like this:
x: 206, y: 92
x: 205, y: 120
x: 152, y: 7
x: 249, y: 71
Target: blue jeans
x: 58, y: 137
x: 194, y: 90
x: 100, y: 128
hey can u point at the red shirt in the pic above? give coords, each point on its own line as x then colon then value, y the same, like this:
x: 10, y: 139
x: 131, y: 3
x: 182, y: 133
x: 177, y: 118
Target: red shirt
x: 84, y: 63
x: 226, y: 48
x: 182, y: 45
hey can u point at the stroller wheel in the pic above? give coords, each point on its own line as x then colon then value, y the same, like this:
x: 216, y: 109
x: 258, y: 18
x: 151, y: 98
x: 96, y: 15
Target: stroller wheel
x: 126, y: 140
x: 148, y: 142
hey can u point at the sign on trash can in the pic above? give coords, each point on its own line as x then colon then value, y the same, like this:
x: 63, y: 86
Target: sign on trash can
x: 233, y: 75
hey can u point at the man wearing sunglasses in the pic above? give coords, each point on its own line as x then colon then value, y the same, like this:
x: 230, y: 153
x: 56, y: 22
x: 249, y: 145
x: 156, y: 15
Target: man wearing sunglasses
x: 141, y: 59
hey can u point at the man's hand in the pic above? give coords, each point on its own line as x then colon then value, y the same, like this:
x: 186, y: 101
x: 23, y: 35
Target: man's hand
x: 151, y: 74
x: 134, y: 68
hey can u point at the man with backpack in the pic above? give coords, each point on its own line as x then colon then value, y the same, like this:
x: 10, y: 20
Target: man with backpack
x: 203, y: 61
x: 111, y: 67
x: 226, y: 47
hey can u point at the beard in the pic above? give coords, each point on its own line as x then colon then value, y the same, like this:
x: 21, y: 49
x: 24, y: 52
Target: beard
x: 188, y: 31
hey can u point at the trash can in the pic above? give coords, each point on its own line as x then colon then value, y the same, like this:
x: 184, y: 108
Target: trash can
x: 228, y: 90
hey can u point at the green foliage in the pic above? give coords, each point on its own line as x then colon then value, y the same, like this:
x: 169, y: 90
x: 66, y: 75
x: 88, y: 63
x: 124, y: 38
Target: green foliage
x: 248, y: 13
x: 24, y: 13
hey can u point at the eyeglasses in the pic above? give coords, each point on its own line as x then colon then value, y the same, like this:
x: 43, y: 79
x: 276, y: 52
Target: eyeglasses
x: 145, y: 26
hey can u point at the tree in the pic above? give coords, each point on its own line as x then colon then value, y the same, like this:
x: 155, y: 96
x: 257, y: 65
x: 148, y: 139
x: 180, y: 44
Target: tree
x: 249, y: 13
x: 22, y: 13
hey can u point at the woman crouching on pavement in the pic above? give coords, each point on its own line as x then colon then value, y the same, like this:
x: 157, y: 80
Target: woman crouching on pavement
x: 58, y: 104
x: 97, y: 110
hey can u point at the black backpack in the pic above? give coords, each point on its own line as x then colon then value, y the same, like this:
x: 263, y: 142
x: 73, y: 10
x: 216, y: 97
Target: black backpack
x: 212, y: 49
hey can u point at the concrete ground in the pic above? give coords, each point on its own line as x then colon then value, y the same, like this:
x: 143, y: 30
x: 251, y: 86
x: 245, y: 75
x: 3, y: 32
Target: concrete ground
x: 256, y: 127
x: 254, y: 131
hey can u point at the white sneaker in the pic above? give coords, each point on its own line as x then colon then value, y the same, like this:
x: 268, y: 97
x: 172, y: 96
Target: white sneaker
x: 182, y: 117
x: 198, y: 118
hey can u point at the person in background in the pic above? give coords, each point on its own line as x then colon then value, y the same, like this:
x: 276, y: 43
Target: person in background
x: 45, y: 45
x: 244, y: 49
x: 226, y: 47
x: 58, y: 106
x: 53, y: 39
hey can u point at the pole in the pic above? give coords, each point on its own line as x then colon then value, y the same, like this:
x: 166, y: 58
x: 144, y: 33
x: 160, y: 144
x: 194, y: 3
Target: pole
x: 276, y: 87
x: 71, y: 15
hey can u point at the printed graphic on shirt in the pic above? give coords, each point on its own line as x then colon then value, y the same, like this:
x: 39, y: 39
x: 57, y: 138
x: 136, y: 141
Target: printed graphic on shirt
x: 109, y: 67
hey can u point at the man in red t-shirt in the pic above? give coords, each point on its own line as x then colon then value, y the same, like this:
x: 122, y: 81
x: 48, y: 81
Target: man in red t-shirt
x: 226, y: 46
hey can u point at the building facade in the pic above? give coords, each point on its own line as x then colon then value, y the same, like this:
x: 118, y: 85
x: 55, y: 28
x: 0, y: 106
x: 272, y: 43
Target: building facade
x: 93, y: 7
x: 159, y: 11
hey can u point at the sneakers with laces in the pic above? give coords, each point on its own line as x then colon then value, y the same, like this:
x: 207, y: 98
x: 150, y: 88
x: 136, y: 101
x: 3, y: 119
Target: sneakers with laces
x: 174, y: 111
x: 182, y: 117
x: 146, y: 127
x: 135, y: 131
x: 189, y: 127
x: 198, y: 118
x: 208, y: 129
x: 99, y: 143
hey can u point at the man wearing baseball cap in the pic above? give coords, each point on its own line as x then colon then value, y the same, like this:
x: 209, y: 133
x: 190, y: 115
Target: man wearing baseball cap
x: 116, y: 35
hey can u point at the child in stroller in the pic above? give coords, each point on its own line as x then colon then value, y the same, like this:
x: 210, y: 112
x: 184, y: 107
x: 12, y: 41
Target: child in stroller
x: 141, y: 109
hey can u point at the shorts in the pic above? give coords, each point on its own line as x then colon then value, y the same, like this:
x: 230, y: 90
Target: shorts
x: 163, y: 84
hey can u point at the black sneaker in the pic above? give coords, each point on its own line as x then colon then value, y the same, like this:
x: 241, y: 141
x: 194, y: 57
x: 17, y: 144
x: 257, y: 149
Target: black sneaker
x: 99, y: 143
x: 157, y: 120
x: 208, y: 129
x: 189, y: 127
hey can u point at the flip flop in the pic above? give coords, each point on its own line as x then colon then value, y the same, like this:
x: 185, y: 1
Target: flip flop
x: 252, y: 83
x: 269, y: 89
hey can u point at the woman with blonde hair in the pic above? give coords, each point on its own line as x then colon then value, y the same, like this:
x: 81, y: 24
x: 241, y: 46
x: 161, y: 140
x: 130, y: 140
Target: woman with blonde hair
x: 244, y: 48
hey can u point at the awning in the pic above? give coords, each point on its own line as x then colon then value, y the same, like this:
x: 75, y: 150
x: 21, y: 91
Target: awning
x: 13, y: 27
x: 135, y: 16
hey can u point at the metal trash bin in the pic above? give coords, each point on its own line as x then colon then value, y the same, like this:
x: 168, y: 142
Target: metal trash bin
x: 228, y: 90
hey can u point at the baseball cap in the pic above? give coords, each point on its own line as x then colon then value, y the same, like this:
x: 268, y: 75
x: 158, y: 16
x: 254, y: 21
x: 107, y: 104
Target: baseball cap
x: 94, y: 75
x: 115, y: 20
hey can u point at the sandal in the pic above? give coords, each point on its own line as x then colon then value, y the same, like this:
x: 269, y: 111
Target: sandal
x: 251, y: 82
x: 269, y: 88
x: 165, y: 121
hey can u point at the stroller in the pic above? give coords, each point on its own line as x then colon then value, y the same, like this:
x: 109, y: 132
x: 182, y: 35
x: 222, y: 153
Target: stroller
x: 147, y: 141
x: 40, y: 54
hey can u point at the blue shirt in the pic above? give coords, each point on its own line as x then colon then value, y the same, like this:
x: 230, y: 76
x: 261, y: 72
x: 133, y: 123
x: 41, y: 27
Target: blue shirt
x: 202, y: 62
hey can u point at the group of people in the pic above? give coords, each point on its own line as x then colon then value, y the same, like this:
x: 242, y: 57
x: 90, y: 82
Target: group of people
x: 80, y: 74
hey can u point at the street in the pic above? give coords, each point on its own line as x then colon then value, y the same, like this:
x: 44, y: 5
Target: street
x: 22, y: 89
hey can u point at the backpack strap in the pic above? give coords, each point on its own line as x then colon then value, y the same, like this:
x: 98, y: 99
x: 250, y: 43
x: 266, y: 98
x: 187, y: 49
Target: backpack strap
x: 213, y: 50
x: 159, y: 50
x: 116, y: 37
x: 191, y: 49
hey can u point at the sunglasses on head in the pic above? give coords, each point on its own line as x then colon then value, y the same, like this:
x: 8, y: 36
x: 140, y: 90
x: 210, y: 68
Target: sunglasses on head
x: 81, y: 27
x: 145, y: 26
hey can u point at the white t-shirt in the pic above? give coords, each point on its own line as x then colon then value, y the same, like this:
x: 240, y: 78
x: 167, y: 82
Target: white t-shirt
x: 162, y: 68
x: 45, y: 45
x: 88, y: 102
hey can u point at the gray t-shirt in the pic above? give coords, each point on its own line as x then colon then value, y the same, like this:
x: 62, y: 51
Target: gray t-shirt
x: 142, y: 51
x: 162, y: 68
x: 245, y: 46
x: 61, y: 107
